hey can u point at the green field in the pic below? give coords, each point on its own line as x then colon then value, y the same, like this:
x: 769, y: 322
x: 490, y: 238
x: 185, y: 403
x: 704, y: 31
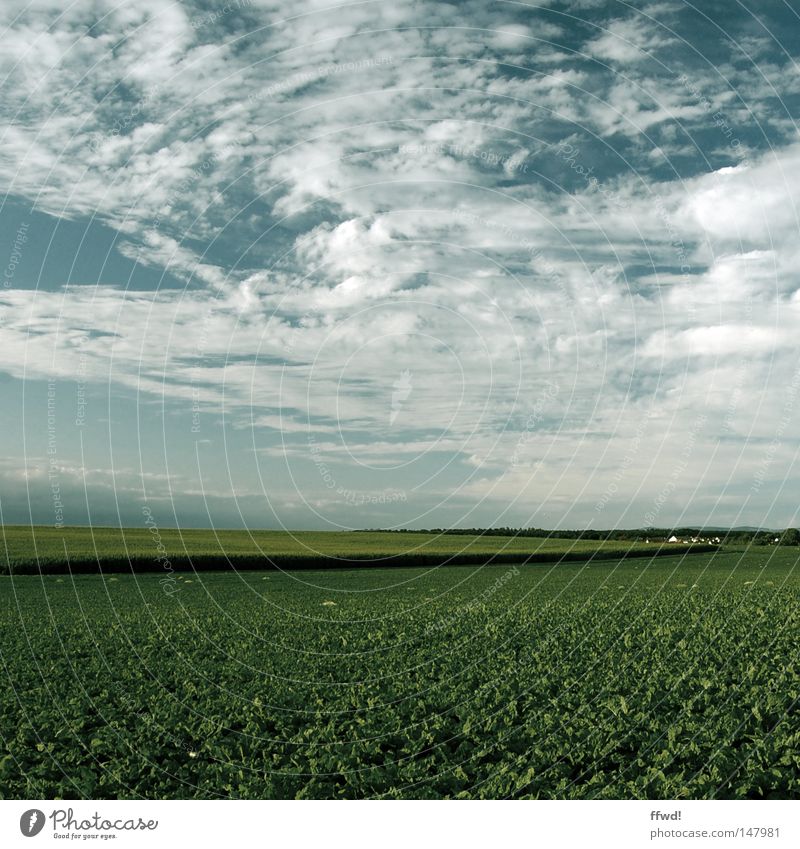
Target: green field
x: 31, y: 550
x: 676, y: 677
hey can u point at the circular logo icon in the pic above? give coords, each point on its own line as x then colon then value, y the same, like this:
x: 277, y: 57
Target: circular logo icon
x: 31, y: 822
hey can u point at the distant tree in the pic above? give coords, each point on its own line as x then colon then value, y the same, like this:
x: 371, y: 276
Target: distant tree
x: 791, y: 536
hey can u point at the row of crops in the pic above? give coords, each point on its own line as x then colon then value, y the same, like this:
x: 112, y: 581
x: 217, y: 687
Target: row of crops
x: 49, y: 550
x: 671, y: 678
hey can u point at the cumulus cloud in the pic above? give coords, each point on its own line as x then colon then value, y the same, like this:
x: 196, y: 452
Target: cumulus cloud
x: 627, y: 40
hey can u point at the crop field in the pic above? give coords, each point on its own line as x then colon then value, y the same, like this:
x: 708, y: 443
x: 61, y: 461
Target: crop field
x: 47, y: 549
x: 672, y: 677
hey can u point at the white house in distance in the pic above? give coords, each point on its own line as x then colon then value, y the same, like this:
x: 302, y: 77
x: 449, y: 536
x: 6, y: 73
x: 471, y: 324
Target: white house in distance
x: 673, y: 538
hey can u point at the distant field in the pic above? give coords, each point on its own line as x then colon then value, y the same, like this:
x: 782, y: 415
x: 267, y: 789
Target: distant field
x: 29, y: 550
x: 671, y: 678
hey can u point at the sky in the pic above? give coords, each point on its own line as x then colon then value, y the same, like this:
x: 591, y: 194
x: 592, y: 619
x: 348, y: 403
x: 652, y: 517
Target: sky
x: 400, y: 264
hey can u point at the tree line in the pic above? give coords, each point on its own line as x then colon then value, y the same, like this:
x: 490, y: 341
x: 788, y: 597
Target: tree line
x: 790, y: 536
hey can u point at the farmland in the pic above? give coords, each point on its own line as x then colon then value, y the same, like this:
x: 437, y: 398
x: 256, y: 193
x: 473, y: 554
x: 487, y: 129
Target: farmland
x: 47, y: 549
x: 670, y: 677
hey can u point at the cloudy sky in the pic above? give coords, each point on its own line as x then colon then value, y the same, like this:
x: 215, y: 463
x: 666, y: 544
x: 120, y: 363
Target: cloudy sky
x: 400, y: 263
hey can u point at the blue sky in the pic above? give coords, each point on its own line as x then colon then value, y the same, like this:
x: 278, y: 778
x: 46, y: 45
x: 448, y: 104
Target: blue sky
x: 400, y: 263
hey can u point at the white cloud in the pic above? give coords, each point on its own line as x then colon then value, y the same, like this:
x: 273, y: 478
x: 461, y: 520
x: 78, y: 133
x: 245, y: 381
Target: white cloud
x: 627, y: 40
x: 752, y: 204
